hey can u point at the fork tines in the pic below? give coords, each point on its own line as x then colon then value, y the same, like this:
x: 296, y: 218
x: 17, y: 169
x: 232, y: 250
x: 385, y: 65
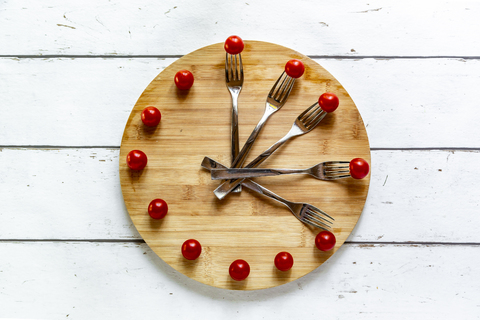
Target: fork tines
x: 312, y: 116
x: 232, y: 62
x: 315, y: 217
x: 336, y: 169
x: 280, y: 92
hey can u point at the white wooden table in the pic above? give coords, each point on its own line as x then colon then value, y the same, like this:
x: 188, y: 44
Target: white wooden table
x: 70, y: 73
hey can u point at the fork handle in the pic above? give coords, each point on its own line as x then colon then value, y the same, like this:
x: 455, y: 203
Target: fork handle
x: 234, y: 135
x: 212, y: 165
x: 226, y: 187
x: 238, y: 173
x: 242, y: 155
x: 294, y: 131
x: 264, y: 191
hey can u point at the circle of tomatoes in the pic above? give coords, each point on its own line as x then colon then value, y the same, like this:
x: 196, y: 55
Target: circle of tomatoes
x: 157, y: 209
x: 283, y: 261
x: 239, y: 270
x: 151, y: 116
x: 136, y: 160
x: 295, y: 68
x: 328, y: 102
x: 191, y: 249
x: 359, y: 168
x: 325, y: 241
x: 234, y: 45
x: 184, y: 79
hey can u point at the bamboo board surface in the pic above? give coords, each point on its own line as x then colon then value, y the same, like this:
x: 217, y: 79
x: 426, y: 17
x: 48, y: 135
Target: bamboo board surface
x: 195, y: 124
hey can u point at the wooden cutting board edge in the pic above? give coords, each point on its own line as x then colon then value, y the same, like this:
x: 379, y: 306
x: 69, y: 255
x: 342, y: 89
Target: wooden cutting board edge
x: 141, y: 224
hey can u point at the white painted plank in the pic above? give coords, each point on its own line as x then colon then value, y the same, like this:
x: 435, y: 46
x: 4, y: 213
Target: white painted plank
x: 70, y: 101
x: 121, y: 27
x: 420, y: 196
x: 405, y: 103
x: 62, y: 193
x: 414, y: 103
x: 128, y: 281
x: 429, y: 196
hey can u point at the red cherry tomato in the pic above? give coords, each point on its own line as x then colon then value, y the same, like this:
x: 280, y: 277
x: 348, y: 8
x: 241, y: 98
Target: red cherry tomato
x: 239, y: 270
x: 191, y: 249
x: 325, y: 241
x: 136, y: 160
x: 234, y: 45
x: 184, y: 79
x: 283, y: 261
x: 294, y: 68
x: 151, y: 116
x: 328, y: 102
x: 359, y: 168
x: 157, y: 209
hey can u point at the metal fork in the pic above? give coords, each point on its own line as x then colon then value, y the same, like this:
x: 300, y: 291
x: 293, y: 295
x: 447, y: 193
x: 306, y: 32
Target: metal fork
x: 329, y: 170
x: 304, y: 123
x: 276, y: 98
x: 234, y: 81
x: 304, y: 212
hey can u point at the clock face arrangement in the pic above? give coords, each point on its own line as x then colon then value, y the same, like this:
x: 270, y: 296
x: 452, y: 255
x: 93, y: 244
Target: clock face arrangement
x: 247, y: 226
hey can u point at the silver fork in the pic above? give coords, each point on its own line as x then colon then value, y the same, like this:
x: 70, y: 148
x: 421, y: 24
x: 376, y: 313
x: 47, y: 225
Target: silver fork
x: 329, y: 170
x: 304, y: 123
x: 304, y: 212
x: 276, y: 98
x: 234, y: 81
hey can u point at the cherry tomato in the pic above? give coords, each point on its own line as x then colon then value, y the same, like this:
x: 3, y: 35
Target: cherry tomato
x: 239, y: 270
x: 234, y: 45
x: 325, y: 241
x: 191, y: 249
x: 136, y: 160
x: 184, y: 79
x: 294, y: 68
x: 359, y: 168
x: 157, y: 209
x: 151, y: 116
x: 328, y: 102
x: 283, y: 261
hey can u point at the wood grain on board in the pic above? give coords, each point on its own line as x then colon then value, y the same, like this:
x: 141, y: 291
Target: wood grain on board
x: 195, y: 124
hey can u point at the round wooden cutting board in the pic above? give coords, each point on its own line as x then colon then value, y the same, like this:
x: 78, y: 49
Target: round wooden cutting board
x: 196, y: 123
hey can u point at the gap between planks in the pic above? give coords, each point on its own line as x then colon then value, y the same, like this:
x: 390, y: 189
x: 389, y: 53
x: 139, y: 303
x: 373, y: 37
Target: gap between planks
x: 118, y: 147
x: 359, y: 243
x: 336, y: 57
